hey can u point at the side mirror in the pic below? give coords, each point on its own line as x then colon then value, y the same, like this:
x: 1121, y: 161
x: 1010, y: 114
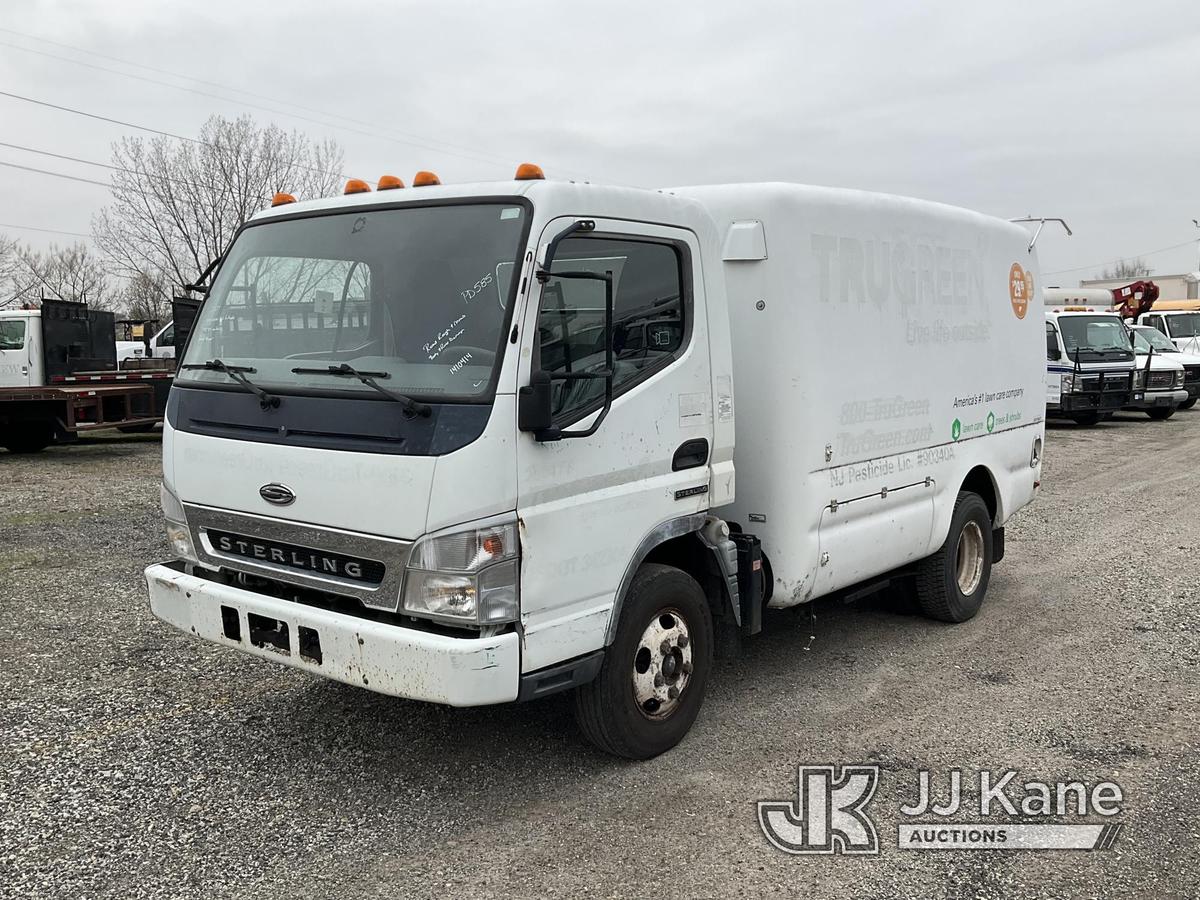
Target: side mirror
x: 534, y: 412
x: 1053, y: 353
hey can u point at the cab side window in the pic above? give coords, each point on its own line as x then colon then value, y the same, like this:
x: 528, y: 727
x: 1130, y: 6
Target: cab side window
x: 1052, y: 351
x: 650, y: 309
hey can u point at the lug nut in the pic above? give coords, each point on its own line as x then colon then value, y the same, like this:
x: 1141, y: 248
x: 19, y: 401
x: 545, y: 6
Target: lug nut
x: 665, y: 647
x: 673, y: 692
x: 683, y: 640
x: 658, y: 680
x: 687, y: 668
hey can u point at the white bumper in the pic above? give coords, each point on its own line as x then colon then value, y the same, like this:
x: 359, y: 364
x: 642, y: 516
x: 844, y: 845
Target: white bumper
x: 1157, y: 399
x: 389, y: 659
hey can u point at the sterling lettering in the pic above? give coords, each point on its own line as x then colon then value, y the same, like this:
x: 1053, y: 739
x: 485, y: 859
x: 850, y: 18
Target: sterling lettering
x: 293, y: 557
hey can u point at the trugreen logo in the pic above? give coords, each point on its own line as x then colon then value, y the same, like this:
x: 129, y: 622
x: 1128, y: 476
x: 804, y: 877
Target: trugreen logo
x: 955, y: 430
x: 991, y: 421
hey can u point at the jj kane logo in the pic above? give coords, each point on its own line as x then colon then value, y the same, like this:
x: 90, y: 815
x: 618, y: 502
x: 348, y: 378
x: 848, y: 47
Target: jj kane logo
x: 831, y: 813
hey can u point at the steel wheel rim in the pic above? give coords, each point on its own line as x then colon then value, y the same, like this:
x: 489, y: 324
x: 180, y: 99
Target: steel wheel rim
x: 969, y: 568
x: 662, y: 665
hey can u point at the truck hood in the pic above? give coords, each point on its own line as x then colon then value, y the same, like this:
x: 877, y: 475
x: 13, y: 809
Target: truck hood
x: 372, y: 493
x: 1188, y: 344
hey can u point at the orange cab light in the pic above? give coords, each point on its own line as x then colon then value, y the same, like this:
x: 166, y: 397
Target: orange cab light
x: 280, y: 199
x: 357, y: 186
x: 425, y: 179
x: 389, y: 183
x: 493, y: 545
x: 529, y: 172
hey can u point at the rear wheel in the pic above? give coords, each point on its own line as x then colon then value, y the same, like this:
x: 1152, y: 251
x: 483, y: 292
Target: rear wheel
x: 28, y: 437
x: 951, y: 583
x: 652, y: 682
x: 142, y: 428
x: 1086, y: 419
x: 1161, y: 414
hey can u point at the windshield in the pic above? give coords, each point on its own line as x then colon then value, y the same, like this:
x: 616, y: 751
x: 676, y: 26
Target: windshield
x: 1184, y: 325
x: 416, y: 296
x: 1094, y: 336
x: 1147, y: 337
x: 12, y: 334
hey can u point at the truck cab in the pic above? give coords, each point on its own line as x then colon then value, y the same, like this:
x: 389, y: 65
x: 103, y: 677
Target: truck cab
x: 1179, y: 320
x: 20, y: 348
x: 1089, y: 363
x: 1158, y: 380
x: 1149, y: 336
x: 160, y: 345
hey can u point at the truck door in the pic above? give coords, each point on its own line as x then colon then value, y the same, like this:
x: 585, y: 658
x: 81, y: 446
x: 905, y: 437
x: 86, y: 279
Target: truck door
x: 16, y: 344
x: 586, y: 504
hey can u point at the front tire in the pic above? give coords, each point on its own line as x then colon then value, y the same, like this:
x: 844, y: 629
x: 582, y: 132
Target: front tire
x: 1188, y: 403
x: 1086, y: 419
x: 651, y: 685
x: 951, y: 583
x: 1161, y: 414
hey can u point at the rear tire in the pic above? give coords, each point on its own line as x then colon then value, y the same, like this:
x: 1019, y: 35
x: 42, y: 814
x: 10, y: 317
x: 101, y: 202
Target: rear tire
x: 951, y: 583
x: 1161, y: 415
x: 663, y: 646
x: 144, y: 428
x: 30, y: 437
x: 1086, y: 419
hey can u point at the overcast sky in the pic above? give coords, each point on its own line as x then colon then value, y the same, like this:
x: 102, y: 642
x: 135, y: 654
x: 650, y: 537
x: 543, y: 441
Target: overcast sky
x: 1088, y: 110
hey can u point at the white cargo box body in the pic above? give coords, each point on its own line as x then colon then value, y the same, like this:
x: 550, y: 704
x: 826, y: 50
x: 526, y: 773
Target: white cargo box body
x: 885, y: 352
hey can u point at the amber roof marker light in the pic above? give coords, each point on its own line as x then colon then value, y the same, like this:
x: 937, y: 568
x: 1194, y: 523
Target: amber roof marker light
x: 282, y: 199
x: 389, y: 183
x: 530, y: 172
x: 425, y: 179
x: 357, y: 186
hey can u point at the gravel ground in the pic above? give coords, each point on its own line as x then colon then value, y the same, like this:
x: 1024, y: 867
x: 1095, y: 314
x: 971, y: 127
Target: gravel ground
x: 140, y: 763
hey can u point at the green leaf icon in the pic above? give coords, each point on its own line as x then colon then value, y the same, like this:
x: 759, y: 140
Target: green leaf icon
x: 955, y: 430
x: 991, y: 421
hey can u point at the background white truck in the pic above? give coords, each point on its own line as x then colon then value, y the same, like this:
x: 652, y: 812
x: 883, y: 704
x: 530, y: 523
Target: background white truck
x: 474, y: 444
x: 59, y: 377
x: 1090, y: 363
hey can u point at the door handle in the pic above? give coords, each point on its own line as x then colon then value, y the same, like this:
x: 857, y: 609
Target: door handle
x: 690, y: 455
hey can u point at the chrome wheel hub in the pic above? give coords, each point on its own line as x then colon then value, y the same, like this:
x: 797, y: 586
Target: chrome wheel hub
x: 662, y: 665
x: 969, y: 566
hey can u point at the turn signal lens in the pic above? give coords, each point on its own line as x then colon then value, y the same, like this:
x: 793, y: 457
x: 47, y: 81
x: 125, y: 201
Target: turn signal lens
x: 529, y: 172
x: 389, y: 183
x: 281, y: 199
x: 357, y: 186
x: 425, y: 179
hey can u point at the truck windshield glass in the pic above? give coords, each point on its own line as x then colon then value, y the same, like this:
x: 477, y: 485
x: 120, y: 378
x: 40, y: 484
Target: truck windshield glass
x: 1152, y: 337
x: 12, y: 334
x: 1184, y: 325
x: 1094, y: 336
x: 416, y: 296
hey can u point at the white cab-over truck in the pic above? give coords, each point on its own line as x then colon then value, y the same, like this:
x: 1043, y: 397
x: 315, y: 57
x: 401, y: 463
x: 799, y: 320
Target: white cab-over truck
x: 477, y: 444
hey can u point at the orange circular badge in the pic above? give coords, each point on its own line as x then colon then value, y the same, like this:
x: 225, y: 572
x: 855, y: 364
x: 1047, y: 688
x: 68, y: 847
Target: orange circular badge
x: 1020, y: 289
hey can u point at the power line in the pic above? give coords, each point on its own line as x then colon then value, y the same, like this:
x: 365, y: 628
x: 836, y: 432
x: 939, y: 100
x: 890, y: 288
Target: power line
x: 1120, y: 259
x: 46, y: 230
x: 103, y: 184
x: 146, y: 128
x: 407, y: 139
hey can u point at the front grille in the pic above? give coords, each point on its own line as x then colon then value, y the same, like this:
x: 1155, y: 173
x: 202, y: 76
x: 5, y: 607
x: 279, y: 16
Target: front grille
x: 1191, y: 374
x: 293, y: 556
x: 1159, y: 380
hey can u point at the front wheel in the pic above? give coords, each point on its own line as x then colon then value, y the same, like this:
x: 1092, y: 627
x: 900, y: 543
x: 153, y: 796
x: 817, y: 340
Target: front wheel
x: 952, y: 582
x: 652, y: 682
x: 1188, y: 403
x: 31, y: 437
x: 1161, y: 414
x: 1086, y: 419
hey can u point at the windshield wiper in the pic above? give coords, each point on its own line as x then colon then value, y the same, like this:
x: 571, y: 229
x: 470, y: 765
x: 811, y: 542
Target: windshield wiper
x: 345, y: 370
x: 265, y: 400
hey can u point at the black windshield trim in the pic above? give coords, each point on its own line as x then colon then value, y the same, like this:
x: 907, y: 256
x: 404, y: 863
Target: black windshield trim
x: 487, y: 397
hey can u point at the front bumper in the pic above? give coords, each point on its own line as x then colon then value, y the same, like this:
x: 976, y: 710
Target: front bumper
x: 1157, y: 399
x: 1092, y: 401
x: 390, y: 659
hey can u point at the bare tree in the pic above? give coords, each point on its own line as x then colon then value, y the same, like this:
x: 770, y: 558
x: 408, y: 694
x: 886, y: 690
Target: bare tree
x: 176, y: 204
x: 1127, y: 268
x: 146, y: 297
x: 61, y: 273
x: 9, y: 257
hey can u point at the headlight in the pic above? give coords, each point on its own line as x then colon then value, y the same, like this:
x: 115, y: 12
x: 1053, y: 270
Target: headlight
x: 1179, y: 379
x: 178, y: 534
x: 1139, y: 379
x: 1068, y: 382
x: 466, y: 576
